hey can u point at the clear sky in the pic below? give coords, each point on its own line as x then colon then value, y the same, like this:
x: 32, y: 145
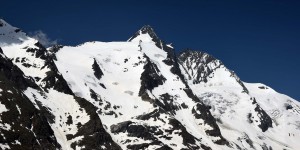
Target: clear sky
x: 258, y: 39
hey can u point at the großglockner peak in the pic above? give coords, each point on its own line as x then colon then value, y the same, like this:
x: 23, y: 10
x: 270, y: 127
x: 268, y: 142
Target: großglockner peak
x: 145, y: 30
x: 147, y: 34
x: 135, y: 94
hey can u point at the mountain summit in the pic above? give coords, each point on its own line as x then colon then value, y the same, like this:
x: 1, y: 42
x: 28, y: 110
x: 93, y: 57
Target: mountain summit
x: 135, y: 94
x: 146, y: 30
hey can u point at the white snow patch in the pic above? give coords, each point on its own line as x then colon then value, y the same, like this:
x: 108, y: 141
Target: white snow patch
x: 2, y: 108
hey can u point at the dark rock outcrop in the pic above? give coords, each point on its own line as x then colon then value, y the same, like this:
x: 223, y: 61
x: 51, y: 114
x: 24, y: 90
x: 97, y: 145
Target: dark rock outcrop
x: 150, y: 78
x: 24, y: 124
x: 97, y: 71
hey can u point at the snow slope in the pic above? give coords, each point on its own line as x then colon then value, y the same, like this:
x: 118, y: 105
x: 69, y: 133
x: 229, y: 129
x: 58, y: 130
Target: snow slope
x: 69, y: 116
x: 118, y: 91
x: 234, y: 104
x: 283, y: 110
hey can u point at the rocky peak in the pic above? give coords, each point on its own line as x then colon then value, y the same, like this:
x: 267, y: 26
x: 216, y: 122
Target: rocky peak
x: 145, y: 30
x: 149, y: 30
x: 198, y: 65
x: 10, y: 34
x: 147, y: 34
x: 198, y: 57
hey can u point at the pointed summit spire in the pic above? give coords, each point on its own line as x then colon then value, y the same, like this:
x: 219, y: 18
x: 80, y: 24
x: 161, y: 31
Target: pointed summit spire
x: 147, y: 34
x: 148, y: 29
x: 145, y: 30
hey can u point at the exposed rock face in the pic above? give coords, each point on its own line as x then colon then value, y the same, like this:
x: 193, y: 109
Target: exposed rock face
x: 22, y: 125
x: 265, y: 119
x: 26, y: 127
x: 39, y: 105
x: 200, y: 66
x: 94, y: 135
x: 97, y: 71
x: 150, y: 78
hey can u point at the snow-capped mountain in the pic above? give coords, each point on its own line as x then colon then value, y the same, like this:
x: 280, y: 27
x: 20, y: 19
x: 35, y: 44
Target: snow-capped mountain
x: 136, y: 94
x: 73, y: 120
x: 252, y: 113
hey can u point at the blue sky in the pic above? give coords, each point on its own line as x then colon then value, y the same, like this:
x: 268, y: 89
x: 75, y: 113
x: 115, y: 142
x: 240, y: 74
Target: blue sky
x: 258, y: 39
